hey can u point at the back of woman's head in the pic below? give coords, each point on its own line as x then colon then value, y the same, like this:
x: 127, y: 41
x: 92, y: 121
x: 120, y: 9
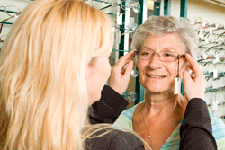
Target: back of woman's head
x: 162, y: 25
x: 42, y: 74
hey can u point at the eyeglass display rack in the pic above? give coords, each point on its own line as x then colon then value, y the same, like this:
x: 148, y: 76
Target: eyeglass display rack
x: 3, y: 11
x: 212, y: 61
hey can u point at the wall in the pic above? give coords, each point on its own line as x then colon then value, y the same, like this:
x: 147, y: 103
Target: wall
x: 207, y: 11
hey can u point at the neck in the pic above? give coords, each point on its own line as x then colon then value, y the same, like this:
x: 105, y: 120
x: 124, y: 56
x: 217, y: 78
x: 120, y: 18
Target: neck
x: 158, y: 104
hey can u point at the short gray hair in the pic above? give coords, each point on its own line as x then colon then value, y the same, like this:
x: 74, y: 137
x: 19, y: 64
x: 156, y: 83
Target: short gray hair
x: 162, y: 25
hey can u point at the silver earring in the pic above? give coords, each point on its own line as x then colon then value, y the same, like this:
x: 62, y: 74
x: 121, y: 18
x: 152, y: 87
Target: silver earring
x: 134, y: 73
x: 177, y: 85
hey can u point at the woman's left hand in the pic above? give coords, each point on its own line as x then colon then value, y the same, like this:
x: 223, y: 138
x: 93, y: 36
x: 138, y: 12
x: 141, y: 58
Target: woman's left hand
x: 120, y: 76
x: 194, y: 86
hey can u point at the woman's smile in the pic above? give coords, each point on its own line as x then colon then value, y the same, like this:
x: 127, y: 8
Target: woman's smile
x: 156, y: 78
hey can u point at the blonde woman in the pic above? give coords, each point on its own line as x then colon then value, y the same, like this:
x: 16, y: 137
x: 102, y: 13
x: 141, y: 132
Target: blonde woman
x: 54, y: 65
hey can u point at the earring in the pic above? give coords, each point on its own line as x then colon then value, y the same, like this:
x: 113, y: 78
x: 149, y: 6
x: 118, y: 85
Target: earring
x: 134, y: 73
x: 177, y: 85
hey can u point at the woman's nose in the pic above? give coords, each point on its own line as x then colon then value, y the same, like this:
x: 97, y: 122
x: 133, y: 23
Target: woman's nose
x: 155, y: 62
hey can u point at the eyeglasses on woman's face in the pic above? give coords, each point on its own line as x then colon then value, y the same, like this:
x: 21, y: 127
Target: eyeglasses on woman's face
x: 166, y: 56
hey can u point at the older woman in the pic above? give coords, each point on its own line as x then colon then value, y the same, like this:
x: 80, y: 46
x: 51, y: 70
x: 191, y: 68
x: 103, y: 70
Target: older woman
x: 161, y: 43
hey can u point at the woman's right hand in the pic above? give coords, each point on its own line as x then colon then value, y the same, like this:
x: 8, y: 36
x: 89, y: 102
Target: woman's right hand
x: 194, y: 85
x: 120, y: 75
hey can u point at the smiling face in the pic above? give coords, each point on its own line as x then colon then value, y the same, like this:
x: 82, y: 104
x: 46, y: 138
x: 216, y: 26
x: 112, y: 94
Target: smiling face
x: 157, y: 76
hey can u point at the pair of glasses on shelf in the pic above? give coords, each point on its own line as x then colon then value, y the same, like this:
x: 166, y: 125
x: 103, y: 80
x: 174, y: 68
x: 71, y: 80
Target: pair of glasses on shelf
x: 207, y: 41
x: 11, y: 11
x: 202, y: 25
x: 134, y: 6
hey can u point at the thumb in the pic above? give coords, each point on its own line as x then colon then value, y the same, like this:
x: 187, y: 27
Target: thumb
x: 129, y: 68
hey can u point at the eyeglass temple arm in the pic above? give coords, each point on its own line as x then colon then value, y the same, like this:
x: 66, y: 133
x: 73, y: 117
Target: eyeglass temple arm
x: 3, y: 23
x: 136, y: 52
x: 105, y: 7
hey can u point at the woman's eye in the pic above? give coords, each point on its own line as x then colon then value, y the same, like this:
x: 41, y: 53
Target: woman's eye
x: 169, y: 55
x: 145, y: 53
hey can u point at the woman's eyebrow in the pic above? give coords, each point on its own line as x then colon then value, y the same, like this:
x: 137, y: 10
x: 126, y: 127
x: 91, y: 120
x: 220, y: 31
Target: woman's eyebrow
x: 146, y: 48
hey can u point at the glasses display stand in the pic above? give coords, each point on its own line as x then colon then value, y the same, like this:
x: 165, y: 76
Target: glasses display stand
x: 212, y: 61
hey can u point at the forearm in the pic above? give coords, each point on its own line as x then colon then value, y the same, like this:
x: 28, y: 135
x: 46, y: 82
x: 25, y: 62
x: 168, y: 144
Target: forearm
x: 108, y: 108
x: 196, y: 132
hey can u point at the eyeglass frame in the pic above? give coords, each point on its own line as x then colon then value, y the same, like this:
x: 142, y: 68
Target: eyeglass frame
x: 136, y: 53
x: 11, y: 16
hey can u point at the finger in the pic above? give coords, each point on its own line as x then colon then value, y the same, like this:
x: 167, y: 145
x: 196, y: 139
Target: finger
x: 122, y: 72
x: 192, y: 77
x: 129, y: 68
x: 124, y: 60
x: 193, y: 65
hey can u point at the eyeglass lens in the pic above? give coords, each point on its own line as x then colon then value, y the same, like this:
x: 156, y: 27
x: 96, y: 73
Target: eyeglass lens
x: 163, y: 56
x: 12, y: 11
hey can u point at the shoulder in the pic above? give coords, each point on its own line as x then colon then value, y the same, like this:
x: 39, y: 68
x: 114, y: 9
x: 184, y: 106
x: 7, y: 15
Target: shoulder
x: 114, y: 139
x: 128, y: 113
x: 217, y: 122
x: 125, y: 119
x: 218, y: 130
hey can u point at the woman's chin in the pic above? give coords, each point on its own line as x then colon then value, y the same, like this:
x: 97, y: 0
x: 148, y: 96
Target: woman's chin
x: 159, y: 89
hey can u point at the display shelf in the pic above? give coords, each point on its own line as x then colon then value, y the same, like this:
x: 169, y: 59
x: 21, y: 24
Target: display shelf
x: 210, y: 89
x: 120, y: 50
x: 2, y: 10
x: 6, y: 22
x: 210, y: 75
x: 219, y: 104
x: 114, y: 15
x: 121, y: 5
x: 216, y: 47
x: 210, y: 63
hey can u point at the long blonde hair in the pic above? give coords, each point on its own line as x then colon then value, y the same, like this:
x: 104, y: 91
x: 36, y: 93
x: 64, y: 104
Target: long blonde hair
x: 42, y: 75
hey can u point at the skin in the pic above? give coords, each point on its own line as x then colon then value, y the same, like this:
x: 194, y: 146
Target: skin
x: 120, y: 76
x: 97, y: 74
x: 99, y: 70
x: 154, y: 66
x: 159, y: 114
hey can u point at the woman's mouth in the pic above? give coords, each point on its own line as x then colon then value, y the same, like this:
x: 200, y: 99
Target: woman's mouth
x: 157, y: 76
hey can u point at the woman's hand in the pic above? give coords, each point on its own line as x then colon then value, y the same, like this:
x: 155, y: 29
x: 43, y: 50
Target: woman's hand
x: 120, y: 76
x: 194, y: 86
